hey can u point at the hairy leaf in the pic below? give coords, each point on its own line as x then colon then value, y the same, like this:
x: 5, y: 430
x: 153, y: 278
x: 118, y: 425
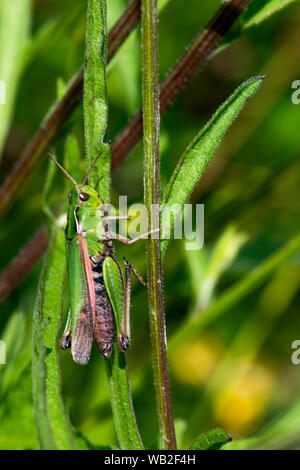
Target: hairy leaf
x: 95, y: 99
x: 52, y: 422
x: 120, y: 394
x: 195, y: 159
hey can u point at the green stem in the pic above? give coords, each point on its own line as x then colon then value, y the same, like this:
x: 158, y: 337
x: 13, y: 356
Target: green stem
x: 152, y: 197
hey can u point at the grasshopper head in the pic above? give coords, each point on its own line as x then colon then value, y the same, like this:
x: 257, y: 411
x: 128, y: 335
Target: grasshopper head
x: 88, y: 197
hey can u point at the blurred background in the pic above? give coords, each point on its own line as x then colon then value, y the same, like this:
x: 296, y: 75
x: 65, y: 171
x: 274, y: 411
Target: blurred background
x: 237, y: 373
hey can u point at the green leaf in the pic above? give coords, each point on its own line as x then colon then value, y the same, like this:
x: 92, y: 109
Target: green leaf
x: 52, y: 422
x: 282, y: 433
x: 14, y: 35
x: 223, y: 254
x: 211, y: 440
x: 18, y: 351
x: 85, y: 444
x: 121, y: 402
x: 51, y: 33
x: 95, y: 97
x: 257, y: 12
x: 18, y: 431
x: 195, y: 159
x: 126, y: 427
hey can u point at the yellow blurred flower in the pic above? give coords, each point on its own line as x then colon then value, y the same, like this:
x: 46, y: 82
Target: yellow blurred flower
x: 239, y: 407
x: 194, y: 361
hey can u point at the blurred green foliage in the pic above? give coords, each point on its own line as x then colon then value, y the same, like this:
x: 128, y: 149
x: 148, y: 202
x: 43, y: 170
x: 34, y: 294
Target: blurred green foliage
x: 237, y: 372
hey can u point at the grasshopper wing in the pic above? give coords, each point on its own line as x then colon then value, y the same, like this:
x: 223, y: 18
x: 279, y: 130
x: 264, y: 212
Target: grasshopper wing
x: 82, y: 301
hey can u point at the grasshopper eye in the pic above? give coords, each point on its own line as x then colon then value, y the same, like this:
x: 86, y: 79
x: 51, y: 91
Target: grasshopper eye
x: 84, y: 197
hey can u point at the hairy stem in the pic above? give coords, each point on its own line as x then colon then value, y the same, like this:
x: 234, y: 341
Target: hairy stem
x: 151, y: 120
x: 23, y: 263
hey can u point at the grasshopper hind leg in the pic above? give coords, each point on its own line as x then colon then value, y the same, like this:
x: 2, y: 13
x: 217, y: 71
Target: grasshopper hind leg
x: 124, y: 340
x: 65, y: 342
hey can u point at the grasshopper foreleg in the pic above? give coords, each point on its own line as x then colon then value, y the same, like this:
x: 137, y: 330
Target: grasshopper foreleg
x: 126, y: 241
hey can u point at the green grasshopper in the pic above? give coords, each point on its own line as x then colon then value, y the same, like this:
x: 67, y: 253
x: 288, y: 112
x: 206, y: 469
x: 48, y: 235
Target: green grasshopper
x: 96, y: 283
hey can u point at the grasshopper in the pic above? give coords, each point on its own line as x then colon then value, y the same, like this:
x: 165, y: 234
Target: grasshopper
x: 98, y: 293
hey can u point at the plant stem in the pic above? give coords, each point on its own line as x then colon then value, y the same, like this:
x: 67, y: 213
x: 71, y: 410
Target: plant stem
x: 61, y: 112
x: 152, y: 197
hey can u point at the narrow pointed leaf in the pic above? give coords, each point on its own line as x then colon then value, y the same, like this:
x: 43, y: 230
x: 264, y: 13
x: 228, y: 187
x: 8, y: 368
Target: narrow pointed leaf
x: 195, y: 159
x: 121, y: 402
x: 125, y: 422
x: 53, y: 425
x: 95, y: 99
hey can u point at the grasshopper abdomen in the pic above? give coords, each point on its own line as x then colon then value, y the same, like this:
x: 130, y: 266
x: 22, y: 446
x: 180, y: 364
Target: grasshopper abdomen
x: 104, y: 325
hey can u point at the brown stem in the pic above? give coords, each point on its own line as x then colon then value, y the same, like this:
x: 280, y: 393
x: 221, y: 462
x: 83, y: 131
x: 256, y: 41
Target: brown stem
x: 22, y: 264
x: 200, y: 50
x: 61, y: 112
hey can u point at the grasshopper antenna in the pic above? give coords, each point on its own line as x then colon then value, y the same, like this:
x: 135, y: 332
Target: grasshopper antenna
x: 64, y: 171
x: 91, y: 168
